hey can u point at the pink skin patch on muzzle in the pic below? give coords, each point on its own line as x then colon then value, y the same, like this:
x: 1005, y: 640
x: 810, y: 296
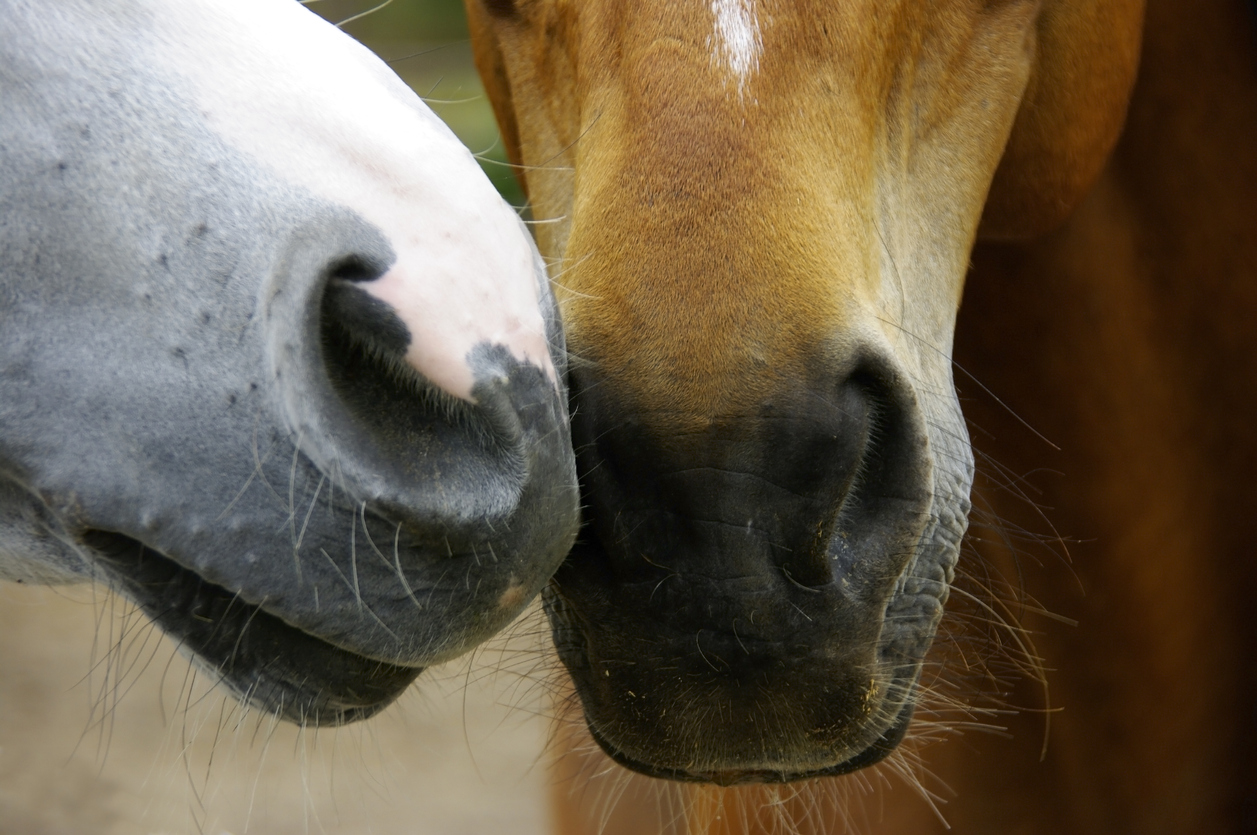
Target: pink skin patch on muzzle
x: 324, y: 113
x: 466, y: 292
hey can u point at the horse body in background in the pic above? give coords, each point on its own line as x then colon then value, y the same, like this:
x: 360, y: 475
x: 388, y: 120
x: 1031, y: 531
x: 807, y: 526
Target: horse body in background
x: 1124, y: 339
x: 731, y: 184
x: 276, y: 361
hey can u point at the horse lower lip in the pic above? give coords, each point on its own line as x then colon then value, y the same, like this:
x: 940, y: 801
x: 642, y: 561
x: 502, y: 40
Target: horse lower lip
x: 871, y: 755
x: 269, y: 663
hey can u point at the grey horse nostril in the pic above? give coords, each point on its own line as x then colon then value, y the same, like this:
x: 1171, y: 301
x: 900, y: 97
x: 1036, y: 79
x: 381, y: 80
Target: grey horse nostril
x: 364, y: 342
x: 361, y: 316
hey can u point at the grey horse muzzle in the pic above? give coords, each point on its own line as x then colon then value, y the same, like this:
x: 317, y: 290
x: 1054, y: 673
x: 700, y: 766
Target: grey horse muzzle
x: 194, y: 410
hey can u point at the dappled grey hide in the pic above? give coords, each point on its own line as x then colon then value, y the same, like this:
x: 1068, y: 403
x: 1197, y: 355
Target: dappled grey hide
x: 189, y: 415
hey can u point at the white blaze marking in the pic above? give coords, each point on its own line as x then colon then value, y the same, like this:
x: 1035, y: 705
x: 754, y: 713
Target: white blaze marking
x: 736, y: 40
x: 319, y: 109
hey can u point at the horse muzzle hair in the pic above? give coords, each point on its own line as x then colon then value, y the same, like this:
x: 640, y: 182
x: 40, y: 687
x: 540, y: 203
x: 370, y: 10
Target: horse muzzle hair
x: 276, y: 362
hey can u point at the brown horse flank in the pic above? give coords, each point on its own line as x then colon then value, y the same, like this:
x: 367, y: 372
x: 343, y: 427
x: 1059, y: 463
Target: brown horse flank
x: 762, y: 213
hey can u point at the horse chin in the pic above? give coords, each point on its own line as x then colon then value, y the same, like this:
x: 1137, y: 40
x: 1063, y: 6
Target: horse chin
x: 264, y: 661
x: 806, y: 697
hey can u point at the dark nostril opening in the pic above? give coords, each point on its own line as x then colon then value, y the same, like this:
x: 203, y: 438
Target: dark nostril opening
x: 366, y: 320
x: 881, y: 502
x: 356, y: 268
x: 360, y: 316
x: 822, y: 458
x: 364, y: 345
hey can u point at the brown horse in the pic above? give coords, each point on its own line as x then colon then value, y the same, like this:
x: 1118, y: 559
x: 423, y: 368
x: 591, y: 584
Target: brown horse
x: 765, y: 210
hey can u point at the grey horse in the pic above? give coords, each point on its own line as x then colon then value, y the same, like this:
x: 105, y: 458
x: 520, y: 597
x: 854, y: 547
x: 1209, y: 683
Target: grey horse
x: 276, y: 363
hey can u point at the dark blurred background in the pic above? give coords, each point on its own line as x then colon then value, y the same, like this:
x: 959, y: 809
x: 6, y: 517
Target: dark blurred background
x: 426, y: 43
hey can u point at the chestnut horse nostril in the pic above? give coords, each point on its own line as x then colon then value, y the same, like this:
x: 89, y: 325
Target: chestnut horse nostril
x: 820, y: 462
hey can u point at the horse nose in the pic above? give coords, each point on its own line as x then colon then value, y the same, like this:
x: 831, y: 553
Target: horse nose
x: 361, y: 404
x: 792, y: 488
x: 763, y: 544
x: 404, y: 317
x: 407, y: 318
x: 450, y: 485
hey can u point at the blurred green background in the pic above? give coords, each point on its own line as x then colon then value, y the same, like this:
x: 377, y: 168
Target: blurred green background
x: 426, y: 43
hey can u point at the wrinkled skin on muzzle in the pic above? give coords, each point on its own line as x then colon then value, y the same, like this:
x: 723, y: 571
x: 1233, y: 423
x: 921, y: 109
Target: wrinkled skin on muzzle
x: 220, y: 389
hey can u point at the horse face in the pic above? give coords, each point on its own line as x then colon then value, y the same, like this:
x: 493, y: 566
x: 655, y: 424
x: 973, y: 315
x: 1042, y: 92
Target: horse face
x: 764, y: 210
x: 275, y: 360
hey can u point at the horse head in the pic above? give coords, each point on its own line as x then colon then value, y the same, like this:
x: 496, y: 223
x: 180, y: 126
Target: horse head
x: 275, y: 359
x: 762, y: 212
